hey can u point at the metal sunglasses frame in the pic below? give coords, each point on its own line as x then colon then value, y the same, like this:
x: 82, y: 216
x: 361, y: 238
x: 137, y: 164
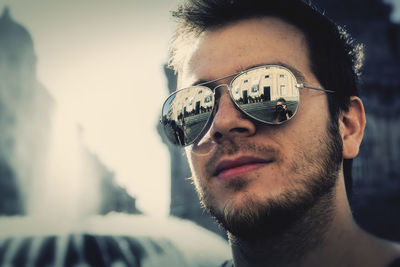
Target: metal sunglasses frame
x: 235, y: 75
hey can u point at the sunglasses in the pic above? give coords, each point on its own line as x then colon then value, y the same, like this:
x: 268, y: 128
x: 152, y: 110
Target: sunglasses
x: 267, y: 94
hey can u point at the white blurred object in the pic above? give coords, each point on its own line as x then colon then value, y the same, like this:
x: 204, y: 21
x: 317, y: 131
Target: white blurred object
x: 111, y: 240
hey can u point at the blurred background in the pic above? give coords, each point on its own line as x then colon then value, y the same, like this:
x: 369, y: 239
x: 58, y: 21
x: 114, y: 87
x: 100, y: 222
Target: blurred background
x: 98, y: 66
x: 81, y: 89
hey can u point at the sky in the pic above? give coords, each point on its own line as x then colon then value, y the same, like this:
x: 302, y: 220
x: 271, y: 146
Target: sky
x: 102, y: 62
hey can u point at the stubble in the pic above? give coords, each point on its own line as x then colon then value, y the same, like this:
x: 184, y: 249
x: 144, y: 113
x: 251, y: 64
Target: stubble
x: 315, y: 172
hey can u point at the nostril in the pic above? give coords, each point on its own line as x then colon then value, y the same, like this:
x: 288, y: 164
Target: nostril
x: 217, y: 135
x: 239, y: 130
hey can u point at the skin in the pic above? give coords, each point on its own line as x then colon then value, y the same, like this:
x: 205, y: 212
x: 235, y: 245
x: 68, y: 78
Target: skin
x: 220, y: 52
x: 216, y: 46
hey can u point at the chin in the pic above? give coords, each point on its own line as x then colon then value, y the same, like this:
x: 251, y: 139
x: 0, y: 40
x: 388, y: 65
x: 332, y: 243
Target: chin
x: 268, y: 205
x: 249, y: 213
x: 243, y: 193
x: 248, y: 217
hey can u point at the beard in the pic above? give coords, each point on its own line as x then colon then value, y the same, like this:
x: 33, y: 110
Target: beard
x: 315, y: 172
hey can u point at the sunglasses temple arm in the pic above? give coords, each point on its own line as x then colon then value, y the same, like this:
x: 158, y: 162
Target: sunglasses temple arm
x: 314, y: 88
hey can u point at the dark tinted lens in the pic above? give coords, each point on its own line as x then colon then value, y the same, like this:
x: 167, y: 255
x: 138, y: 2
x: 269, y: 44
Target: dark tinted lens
x: 267, y: 94
x: 185, y: 114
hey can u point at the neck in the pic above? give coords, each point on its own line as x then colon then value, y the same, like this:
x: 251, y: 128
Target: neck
x: 318, y: 238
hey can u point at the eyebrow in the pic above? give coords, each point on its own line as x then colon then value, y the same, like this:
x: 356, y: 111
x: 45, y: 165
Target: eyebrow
x: 213, y: 83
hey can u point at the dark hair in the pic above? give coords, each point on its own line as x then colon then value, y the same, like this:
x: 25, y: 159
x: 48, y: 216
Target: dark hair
x: 334, y: 57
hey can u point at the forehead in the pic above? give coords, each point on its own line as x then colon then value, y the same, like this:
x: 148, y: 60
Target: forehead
x: 235, y: 47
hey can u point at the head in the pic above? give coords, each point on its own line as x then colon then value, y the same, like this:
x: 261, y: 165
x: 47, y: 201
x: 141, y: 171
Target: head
x: 286, y: 167
x: 281, y: 102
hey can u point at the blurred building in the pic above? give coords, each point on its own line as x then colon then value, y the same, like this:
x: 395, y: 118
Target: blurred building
x: 26, y: 110
x: 376, y: 199
x: 376, y: 177
x: 25, y: 107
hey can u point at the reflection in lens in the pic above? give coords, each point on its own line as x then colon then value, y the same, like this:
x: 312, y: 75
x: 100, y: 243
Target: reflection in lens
x: 185, y: 114
x: 267, y: 94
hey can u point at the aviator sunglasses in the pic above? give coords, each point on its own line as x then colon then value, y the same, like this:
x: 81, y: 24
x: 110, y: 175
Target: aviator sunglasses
x: 267, y: 94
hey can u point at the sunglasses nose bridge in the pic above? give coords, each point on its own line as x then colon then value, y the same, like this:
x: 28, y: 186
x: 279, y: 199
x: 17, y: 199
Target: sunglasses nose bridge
x: 220, y: 86
x: 219, y: 91
x: 228, y: 119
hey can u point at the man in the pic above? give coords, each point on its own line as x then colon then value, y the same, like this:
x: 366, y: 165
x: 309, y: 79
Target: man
x: 282, y: 113
x: 278, y: 187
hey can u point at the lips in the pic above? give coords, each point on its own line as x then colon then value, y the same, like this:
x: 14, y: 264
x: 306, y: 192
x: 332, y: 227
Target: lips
x: 228, y: 169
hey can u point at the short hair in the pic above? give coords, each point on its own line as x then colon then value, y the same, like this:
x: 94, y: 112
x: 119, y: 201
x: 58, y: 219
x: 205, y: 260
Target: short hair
x: 281, y: 99
x: 335, y: 58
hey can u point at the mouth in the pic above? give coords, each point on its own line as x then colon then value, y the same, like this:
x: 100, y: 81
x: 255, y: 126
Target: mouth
x: 229, y: 169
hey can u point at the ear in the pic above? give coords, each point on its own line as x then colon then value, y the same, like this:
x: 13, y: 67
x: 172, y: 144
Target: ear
x: 352, y: 125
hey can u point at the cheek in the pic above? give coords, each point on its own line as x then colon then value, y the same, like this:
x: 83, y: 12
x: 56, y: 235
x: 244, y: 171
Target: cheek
x: 311, y: 118
x: 196, y: 164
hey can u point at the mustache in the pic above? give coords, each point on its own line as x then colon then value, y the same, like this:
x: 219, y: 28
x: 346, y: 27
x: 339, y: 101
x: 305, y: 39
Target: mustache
x: 232, y: 147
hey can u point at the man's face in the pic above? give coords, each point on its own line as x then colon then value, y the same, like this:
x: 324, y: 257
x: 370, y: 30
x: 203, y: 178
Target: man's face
x: 283, y: 105
x: 252, y: 168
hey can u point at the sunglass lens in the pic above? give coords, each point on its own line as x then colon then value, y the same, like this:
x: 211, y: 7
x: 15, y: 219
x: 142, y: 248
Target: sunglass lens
x: 185, y: 114
x: 267, y: 94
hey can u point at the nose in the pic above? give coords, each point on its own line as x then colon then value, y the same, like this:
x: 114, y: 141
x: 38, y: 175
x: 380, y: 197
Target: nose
x: 228, y: 121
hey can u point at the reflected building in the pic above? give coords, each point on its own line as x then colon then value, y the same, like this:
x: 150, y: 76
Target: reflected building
x: 376, y: 177
x: 260, y: 91
x: 188, y: 103
x: 264, y: 86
